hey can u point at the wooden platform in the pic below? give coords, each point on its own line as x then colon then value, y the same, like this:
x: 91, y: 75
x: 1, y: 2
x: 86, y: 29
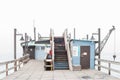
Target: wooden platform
x: 34, y: 70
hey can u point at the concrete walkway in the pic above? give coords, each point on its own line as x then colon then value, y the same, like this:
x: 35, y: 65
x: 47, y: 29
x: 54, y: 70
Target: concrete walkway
x: 34, y: 70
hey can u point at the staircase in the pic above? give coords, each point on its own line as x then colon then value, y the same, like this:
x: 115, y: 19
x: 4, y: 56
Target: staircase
x: 61, y: 59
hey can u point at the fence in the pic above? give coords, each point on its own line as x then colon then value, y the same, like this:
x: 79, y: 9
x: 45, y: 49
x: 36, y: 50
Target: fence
x: 109, y: 65
x: 19, y: 61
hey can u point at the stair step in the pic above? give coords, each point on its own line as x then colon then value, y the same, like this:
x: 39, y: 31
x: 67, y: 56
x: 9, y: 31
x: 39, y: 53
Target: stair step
x: 61, y: 54
x: 58, y: 39
x: 61, y: 68
x: 58, y: 55
x: 61, y: 59
x: 61, y: 64
x: 60, y: 50
x: 59, y: 45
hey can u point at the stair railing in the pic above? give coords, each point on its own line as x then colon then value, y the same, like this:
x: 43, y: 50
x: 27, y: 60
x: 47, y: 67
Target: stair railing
x: 52, y: 44
x: 67, y: 47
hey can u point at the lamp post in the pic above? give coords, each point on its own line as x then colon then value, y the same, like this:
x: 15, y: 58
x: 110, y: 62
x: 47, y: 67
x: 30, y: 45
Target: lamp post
x: 15, y: 34
x: 99, y: 45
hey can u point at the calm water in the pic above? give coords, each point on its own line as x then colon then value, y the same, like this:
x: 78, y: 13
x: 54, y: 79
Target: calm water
x: 7, y: 57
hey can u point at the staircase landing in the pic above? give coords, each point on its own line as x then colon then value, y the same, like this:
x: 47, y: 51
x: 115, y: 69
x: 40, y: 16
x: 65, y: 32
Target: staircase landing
x: 34, y: 70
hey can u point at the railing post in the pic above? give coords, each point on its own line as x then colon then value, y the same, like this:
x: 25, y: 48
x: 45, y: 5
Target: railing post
x: 19, y: 64
x: 109, y: 71
x: 15, y: 66
x: 6, y: 69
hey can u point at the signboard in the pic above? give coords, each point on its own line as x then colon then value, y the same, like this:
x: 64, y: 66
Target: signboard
x: 75, y: 51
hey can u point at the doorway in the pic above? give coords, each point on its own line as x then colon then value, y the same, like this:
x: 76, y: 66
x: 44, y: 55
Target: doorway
x: 85, y: 57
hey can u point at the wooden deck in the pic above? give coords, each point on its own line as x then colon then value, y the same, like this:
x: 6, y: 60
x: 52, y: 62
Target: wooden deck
x: 34, y: 70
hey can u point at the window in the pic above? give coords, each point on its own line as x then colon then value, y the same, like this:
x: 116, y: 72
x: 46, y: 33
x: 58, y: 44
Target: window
x: 42, y: 48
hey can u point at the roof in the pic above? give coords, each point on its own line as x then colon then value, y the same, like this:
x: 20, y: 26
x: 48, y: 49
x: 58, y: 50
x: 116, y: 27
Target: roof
x: 37, y: 43
x: 81, y: 40
x: 43, y: 42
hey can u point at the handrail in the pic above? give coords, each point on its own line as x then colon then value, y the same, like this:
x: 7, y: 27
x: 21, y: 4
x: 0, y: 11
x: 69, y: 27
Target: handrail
x: 67, y: 47
x: 19, y: 61
x: 109, y: 65
x: 52, y: 44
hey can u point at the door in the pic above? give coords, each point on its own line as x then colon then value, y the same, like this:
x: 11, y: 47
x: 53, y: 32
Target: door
x: 31, y: 50
x: 85, y: 57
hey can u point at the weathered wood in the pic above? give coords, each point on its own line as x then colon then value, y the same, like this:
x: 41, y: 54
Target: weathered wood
x: 109, y: 65
x: 34, y: 70
x: 108, y: 68
x: 108, y: 61
x: 109, y: 72
x: 20, y: 61
x: 6, y: 69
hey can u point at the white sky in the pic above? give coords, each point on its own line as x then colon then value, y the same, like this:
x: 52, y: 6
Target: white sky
x: 85, y: 15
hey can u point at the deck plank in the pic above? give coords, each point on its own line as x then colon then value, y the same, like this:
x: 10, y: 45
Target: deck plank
x: 34, y: 70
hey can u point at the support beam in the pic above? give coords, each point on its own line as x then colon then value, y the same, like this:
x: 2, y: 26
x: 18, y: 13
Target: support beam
x: 99, y: 51
x: 15, y: 64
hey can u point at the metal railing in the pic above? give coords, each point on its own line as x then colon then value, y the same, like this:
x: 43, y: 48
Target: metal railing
x: 19, y: 61
x: 67, y: 46
x: 109, y: 65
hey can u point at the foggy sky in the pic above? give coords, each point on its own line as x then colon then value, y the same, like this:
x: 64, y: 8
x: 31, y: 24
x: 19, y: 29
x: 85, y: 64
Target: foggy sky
x: 85, y: 15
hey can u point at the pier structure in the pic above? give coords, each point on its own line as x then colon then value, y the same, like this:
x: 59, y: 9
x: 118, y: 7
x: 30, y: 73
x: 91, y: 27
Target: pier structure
x: 34, y: 70
x: 61, y: 58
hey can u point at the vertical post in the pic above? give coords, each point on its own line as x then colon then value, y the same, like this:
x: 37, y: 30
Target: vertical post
x: 15, y: 64
x: 34, y: 33
x: 99, y: 36
x: 38, y: 37
x: 19, y: 63
x: 74, y: 33
x: 109, y: 72
x: 87, y: 36
x: 6, y: 69
x: 25, y: 44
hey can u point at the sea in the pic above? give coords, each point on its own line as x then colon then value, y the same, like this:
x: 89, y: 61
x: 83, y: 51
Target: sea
x: 106, y: 56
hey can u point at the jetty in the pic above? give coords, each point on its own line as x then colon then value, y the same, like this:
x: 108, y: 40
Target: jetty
x: 34, y: 70
x: 60, y: 58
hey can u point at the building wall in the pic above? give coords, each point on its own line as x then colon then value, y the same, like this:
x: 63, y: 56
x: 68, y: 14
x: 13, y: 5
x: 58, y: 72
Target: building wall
x: 41, y: 52
x: 75, y: 46
x: 31, y: 51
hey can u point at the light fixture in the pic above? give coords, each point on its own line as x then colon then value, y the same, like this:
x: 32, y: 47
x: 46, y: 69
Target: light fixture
x: 22, y: 39
x: 92, y: 38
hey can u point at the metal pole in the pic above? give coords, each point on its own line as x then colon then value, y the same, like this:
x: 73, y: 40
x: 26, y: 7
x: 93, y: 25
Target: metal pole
x: 87, y: 36
x: 34, y: 33
x: 74, y: 33
x: 15, y: 64
x: 99, y: 36
x: 25, y: 44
